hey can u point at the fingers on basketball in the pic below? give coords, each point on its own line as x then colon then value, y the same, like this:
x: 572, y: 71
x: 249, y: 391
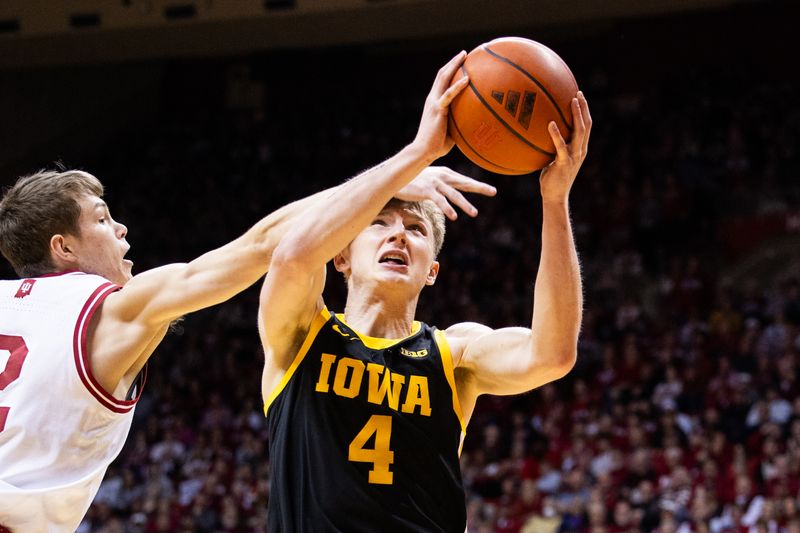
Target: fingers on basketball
x: 561, y: 145
x: 453, y: 91
x: 445, y: 73
x: 587, y: 119
x: 577, y: 148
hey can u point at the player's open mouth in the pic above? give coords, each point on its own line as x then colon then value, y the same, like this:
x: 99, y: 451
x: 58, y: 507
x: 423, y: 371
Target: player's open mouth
x: 127, y: 261
x: 394, y: 259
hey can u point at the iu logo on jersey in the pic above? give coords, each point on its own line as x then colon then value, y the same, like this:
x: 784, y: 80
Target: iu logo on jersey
x: 512, y: 106
x: 25, y: 288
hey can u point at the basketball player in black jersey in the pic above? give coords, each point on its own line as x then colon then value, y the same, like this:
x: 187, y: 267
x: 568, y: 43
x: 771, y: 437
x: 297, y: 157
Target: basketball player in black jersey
x: 367, y: 410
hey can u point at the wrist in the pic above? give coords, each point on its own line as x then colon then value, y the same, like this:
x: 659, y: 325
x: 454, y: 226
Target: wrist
x: 558, y: 202
x: 420, y: 151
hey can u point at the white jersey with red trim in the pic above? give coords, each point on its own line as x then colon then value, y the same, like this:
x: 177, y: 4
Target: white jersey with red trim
x: 59, y: 429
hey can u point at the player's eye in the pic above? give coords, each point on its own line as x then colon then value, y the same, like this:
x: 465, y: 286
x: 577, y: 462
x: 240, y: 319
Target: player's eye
x: 417, y: 227
x: 378, y: 222
x: 102, y: 220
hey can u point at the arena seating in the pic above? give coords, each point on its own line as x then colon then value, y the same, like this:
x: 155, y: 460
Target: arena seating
x: 682, y: 414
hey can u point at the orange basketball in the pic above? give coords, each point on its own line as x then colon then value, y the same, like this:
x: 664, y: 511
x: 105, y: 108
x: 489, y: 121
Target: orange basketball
x: 516, y: 87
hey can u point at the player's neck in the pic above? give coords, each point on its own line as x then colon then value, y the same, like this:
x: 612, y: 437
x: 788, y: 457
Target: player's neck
x: 380, y: 317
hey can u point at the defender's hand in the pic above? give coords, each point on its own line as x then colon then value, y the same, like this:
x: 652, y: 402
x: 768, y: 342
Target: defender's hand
x: 557, y: 178
x: 443, y: 185
x: 432, y: 135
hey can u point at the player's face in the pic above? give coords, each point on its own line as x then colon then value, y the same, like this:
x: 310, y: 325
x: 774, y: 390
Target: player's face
x: 101, y: 247
x: 398, y: 246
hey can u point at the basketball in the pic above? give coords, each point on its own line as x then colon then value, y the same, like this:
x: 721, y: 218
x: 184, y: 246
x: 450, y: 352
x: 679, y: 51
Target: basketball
x: 517, y: 86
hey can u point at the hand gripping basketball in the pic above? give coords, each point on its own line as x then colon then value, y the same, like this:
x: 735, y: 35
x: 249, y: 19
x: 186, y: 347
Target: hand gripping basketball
x: 557, y: 178
x: 432, y: 134
x: 517, y: 87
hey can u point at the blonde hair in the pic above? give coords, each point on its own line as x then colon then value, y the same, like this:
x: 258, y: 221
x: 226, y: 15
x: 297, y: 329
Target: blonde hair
x: 37, y: 207
x: 428, y: 210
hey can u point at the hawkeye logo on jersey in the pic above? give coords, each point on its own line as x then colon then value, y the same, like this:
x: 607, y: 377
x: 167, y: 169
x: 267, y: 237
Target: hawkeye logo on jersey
x: 25, y: 288
x: 345, y: 334
x: 381, y: 386
x: 415, y: 355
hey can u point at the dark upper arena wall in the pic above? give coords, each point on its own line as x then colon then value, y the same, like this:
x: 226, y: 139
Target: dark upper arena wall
x: 43, y: 32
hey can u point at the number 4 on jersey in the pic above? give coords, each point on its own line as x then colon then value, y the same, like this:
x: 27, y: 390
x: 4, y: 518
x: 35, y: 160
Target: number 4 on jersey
x: 381, y: 456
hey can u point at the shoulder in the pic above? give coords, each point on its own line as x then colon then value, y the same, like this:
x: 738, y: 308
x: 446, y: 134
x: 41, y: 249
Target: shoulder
x: 71, y: 286
x: 460, y: 335
x: 72, y: 278
x: 466, y: 330
x: 84, y: 277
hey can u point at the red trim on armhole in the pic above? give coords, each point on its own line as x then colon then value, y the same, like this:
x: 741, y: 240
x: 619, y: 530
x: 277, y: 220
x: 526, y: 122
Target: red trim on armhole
x: 82, y: 356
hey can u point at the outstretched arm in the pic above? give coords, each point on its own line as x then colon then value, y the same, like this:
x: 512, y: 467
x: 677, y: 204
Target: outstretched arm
x: 291, y: 295
x: 132, y: 321
x: 516, y: 360
x: 163, y: 294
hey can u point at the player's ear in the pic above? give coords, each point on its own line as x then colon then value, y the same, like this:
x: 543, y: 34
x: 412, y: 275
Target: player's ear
x: 62, y: 250
x: 433, y: 272
x: 342, y: 262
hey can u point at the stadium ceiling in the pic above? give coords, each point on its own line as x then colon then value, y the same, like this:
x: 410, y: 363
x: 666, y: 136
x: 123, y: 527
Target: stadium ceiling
x: 47, y: 32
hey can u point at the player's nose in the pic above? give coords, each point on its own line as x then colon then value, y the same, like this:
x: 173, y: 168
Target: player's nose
x: 122, y: 230
x: 398, y: 234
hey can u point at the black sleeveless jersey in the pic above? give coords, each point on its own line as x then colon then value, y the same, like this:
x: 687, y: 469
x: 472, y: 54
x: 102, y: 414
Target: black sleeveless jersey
x: 365, y: 435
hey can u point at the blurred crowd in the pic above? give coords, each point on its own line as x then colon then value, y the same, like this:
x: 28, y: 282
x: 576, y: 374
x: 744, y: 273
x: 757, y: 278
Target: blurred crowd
x: 682, y: 414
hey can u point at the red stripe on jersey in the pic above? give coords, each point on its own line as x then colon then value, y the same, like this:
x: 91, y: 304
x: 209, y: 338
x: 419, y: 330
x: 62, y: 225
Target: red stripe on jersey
x: 82, y: 356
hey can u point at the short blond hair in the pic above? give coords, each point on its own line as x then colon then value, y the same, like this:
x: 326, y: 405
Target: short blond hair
x: 37, y: 207
x: 428, y: 210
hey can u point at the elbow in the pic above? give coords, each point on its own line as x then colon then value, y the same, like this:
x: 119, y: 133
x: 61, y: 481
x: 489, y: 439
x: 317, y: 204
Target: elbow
x: 551, y: 365
x: 557, y: 351
x: 564, y: 361
x: 289, y: 257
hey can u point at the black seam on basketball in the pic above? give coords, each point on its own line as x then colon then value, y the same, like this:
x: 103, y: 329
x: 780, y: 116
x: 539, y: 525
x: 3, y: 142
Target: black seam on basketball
x: 534, y: 80
x: 474, y: 151
x: 503, y: 122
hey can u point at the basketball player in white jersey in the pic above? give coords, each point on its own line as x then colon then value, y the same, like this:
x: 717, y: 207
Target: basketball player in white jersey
x: 77, y: 329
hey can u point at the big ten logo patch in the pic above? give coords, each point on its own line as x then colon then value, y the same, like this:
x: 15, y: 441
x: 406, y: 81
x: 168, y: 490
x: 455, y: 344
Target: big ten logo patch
x: 25, y: 288
x: 416, y: 355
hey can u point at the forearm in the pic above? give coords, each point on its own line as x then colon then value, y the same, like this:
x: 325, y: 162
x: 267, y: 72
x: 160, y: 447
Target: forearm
x: 337, y: 218
x: 165, y: 293
x: 263, y: 237
x: 558, y: 296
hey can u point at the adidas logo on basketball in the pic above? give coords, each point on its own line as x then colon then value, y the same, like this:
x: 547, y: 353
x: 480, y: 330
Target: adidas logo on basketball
x: 511, y: 106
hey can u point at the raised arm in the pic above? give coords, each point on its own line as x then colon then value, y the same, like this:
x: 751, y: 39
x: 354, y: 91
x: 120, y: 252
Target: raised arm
x: 516, y: 360
x: 291, y: 295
